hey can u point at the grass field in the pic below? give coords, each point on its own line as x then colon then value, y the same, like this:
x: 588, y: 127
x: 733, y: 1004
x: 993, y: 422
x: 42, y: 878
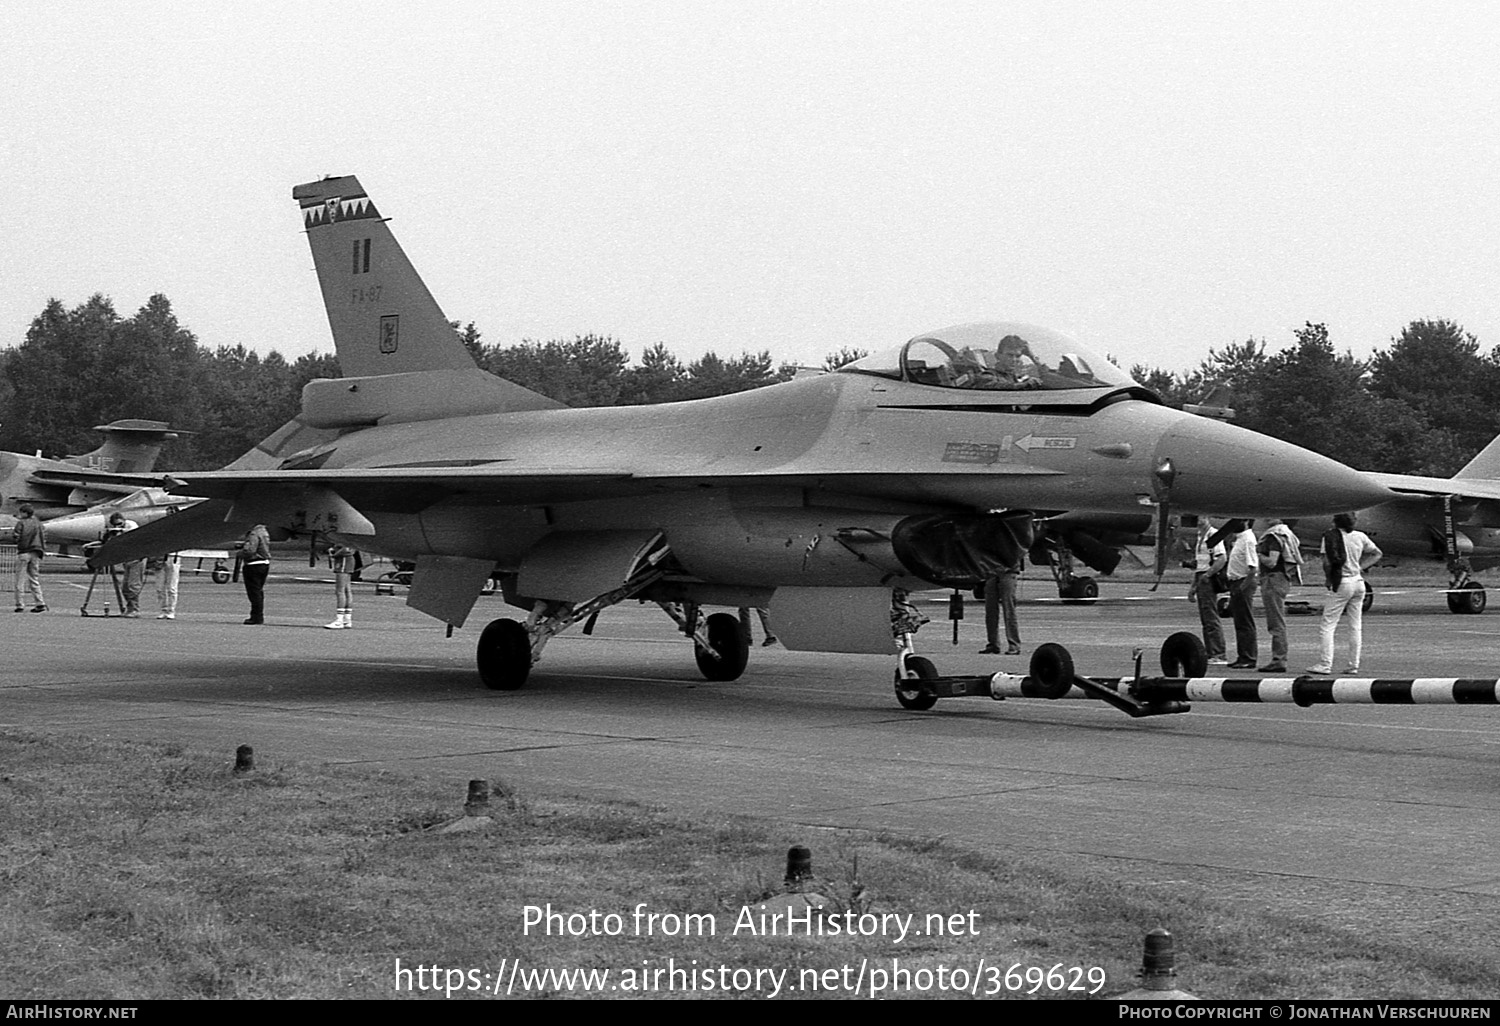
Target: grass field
x: 136, y: 871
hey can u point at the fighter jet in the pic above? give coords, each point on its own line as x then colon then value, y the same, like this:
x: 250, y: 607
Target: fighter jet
x: 72, y: 533
x: 118, y: 467
x: 922, y: 464
x: 1453, y: 520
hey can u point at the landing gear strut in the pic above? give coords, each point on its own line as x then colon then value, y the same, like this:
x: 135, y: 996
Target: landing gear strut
x: 508, y: 649
x: 1465, y: 595
x: 1071, y: 588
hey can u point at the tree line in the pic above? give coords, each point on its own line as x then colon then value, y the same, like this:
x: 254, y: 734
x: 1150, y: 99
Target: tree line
x: 85, y: 366
x: 1423, y: 405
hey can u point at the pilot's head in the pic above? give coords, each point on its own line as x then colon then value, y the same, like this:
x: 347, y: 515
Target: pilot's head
x: 117, y: 519
x: 1011, y: 353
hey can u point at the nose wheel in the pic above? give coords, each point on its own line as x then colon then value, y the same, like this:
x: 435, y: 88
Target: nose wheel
x: 912, y: 692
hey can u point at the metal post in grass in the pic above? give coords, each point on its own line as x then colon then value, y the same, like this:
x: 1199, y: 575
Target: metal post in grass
x: 1158, y: 972
x: 798, y: 867
x: 244, y: 759
x: 478, y: 802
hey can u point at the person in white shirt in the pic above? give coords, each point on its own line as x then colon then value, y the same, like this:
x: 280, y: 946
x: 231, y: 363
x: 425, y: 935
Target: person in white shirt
x: 1347, y: 553
x: 1243, y: 572
x: 167, y: 582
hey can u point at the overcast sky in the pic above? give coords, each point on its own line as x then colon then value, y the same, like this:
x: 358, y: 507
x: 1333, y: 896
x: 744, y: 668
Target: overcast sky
x: 1153, y: 178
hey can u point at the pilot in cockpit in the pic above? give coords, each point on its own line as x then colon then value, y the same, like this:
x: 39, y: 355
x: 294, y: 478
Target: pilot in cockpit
x: 1014, y: 365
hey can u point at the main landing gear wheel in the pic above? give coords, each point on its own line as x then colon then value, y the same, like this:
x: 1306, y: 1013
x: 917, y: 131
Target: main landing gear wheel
x: 1051, y: 670
x: 1183, y: 655
x: 1470, y: 598
x: 1369, y: 599
x: 1081, y: 590
x: 1221, y: 606
x: 728, y: 640
x: 912, y: 694
x: 504, y: 655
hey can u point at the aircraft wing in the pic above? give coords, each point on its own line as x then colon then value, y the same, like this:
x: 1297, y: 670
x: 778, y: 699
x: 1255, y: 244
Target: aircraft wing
x: 237, y: 500
x: 520, y: 483
x: 1429, y: 487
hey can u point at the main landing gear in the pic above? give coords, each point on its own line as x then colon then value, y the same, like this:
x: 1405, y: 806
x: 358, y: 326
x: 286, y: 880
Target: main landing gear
x: 507, y: 648
x: 1470, y: 598
x: 1073, y: 589
x: 1465, y: 595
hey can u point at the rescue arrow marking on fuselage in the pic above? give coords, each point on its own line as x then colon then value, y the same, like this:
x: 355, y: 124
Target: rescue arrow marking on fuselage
x: 1028, y: 442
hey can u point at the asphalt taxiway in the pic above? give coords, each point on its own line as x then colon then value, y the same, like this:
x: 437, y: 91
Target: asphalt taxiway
x: 1351, y: 808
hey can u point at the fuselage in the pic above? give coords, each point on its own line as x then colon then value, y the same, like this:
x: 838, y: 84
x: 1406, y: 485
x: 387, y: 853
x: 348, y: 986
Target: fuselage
x: 752, y: 487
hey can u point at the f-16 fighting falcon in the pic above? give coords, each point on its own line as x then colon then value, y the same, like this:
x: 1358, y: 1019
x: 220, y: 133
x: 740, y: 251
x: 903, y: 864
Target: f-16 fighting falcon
x: 924, y: 464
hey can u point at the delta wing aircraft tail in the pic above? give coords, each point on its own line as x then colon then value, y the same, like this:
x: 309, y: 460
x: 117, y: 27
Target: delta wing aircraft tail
x: 385, y: 322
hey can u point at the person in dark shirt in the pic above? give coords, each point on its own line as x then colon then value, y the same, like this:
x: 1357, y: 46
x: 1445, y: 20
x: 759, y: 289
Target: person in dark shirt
x: 30, y: 537
x: 255, y: 558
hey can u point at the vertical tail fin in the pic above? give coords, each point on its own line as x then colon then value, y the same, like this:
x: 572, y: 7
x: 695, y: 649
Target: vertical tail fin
x: 1485, y: 466
x: 383, y: 318
x: 130, y: 447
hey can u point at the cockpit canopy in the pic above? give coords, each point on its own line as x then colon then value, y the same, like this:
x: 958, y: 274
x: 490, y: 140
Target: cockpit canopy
x: 994, y: 356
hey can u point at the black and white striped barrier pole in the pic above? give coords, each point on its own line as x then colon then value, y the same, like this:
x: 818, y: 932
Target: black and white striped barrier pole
x: 1304, y: 691
x: 1182, y: 682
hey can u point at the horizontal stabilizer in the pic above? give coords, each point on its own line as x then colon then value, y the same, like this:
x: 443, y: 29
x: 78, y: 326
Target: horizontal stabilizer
x: 1467, y: 488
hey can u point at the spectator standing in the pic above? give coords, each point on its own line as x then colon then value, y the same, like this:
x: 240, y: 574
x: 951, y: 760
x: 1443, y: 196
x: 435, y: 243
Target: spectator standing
x: 1243, y: 573
x: 167, y: 580
x: 341, y: 558
x: 255, y: 558
x: 1280, y: 565
x: 1209, y: 559
x: 132, y: 571
x: 30, y: 537
x: 1347, y: 553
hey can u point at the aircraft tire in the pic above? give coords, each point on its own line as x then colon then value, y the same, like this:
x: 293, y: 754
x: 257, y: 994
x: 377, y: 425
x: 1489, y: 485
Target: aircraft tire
x: 727, y: 637
x: 504, y: 655
x: 1051, y: 670
x: 220, y: 575
x: 1183, y: 655
x: 1079, y: 591
x: 909, y: 693
x: 1471, y: 599
x: 1369, y: 599
x: 1221, y: 606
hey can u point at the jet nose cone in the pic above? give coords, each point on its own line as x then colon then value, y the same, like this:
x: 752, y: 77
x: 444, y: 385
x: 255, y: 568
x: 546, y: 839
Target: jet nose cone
x: 1213, y: 467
